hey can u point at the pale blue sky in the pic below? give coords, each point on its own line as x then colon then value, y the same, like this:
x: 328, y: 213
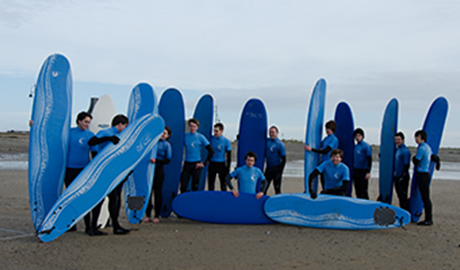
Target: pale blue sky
x: 368, y: 52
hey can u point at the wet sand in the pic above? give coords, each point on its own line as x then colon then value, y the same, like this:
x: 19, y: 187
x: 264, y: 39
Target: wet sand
x: 183, y: 244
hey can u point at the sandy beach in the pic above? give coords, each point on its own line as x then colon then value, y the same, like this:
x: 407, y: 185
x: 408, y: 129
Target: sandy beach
x: 183, y: 244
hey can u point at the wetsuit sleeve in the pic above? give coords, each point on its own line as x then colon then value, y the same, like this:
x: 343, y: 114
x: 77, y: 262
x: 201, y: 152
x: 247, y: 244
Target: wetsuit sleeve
x: 437, y: 160
x: 415, y: 160
x: 263, y: 185
x: 369, y: 163
x: 163, y: 161
x: 283, y: 163
x: 228, y: 180
x: 312, y: 176
x: 228, y: 161
x: 210, y: 154
x: 345, y: 185
x: 95, y: 140
x: 322, y: 151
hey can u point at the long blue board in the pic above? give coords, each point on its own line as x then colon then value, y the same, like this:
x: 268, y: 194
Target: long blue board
x: 204, y: 113
x: 344, y: 133
x: 334, y: 212
x: 101, y: 176
x: 314, y: 129
x: 221, y: 207
x: 49, y: 135
x: 387, y: 151
x: 434, y: 127
x: 138, y: 186
x: 171, y: 107
x: 252, y: 134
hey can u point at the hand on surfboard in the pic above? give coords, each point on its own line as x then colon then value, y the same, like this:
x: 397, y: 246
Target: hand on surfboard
x: 235, y: 193
x: 307, y: 147
x: 259, y: 195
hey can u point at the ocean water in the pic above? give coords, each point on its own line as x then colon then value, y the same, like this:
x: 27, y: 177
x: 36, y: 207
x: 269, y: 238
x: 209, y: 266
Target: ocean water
x: 449, y: 170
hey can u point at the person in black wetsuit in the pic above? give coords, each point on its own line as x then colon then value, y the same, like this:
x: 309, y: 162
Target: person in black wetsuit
x: 276, y: 160
x: 401, y: 174
x: 221, y: 160
x: 362, y: 165
x: 164, y: 154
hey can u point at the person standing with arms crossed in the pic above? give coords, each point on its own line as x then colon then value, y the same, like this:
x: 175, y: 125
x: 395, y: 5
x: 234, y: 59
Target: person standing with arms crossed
x: 192, y: 167
x: 222, y: 158
x: 276, y: 160
x: 362, y: 165
x: 401, y: 171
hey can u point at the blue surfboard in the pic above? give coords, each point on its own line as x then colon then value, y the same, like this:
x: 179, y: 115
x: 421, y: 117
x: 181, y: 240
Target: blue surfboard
x: 204, y: 113
x: 387, y: 151
x: 434, y: 127
x: 344, y: 133
x: 171, y: 107
x: 334, y: 212
x: 252, y: 134
x: 314, y: 129
x: 49, y: 135
x: 138, y: 186
x: 101, y: 176
x: 221, y: 207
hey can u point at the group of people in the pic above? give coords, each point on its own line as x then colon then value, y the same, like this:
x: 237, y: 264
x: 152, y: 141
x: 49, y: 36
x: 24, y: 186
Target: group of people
x: 334, y: 175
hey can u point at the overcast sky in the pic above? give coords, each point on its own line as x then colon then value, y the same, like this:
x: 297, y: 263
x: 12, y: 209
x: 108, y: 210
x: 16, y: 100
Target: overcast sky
x: 367, y: 51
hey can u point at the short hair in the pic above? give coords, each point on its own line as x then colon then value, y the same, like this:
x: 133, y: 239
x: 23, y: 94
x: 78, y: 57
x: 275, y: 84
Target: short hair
x: 83, y: 115
x: 220, y: 126
x: 275, y: 127
x: 422, y: 134
x: 337, y: 152
x: 250, y: 154
x: 193, y: 120
x: 168, y: 129
x: 119, y: 118
x: 358, y: 131
x: 331, y: 125
x: 400, y: 134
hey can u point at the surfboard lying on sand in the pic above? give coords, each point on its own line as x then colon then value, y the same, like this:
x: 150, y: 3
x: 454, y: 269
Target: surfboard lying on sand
x: 102, y: 110
x: 344, y: 133
x: 204, y: 113
x: 387, y: 151
x: 172, y: 109
x: 138, y: 186
x: 49, y: 135
x: 334, y: 212
x: 221, y: 207
x: 314, y: 130
x: 101, y: 176
x: 434, y: 127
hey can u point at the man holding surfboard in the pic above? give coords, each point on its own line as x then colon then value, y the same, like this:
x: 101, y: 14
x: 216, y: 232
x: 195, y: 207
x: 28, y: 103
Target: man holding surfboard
x: 249, y: 178
x: 193, y: 143
x: 222, y: 158
x: 276, y: 160
x: 362, y: 165
x: 336, y: 175
x: 401, y: 170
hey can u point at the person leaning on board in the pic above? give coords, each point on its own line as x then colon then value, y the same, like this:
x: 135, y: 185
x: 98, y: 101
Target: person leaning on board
x: 329, y: 143
x: 362, y: 165
x: 336, y: 175
x: 276, y: 160
x: 193, y: 143
x: 119, y: 123
x: 250, y: 178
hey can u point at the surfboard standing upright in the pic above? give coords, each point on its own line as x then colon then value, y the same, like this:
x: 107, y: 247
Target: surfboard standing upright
x: 387, y: 151
x: 49, y: 135
x: 252, y: 134
x: 434, y: 127
x: 102, y: 110
x: 102, y: 175
x: 314, y: 129
x: 172, y: 109
x: 138, y: 186
x: 204, y: 113
x: 344, y: 133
